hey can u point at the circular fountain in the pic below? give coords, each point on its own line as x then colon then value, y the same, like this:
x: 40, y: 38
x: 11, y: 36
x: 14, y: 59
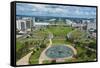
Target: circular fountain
x: 59, y: 51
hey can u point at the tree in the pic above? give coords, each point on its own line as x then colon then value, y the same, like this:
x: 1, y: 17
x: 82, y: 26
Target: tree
x: 53, y: 61
x: 92, y: 45
x: 89, y: 53
x: 43, y: 45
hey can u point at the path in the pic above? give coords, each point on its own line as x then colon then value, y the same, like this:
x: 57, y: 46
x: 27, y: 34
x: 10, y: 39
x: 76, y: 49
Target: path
x: 24, y: 60
x: 43, y: 56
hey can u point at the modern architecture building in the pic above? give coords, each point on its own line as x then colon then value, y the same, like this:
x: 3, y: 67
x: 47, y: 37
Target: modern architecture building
x: 24, y: 24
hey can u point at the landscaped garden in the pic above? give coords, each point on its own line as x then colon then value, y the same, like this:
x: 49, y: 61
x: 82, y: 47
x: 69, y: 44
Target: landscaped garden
x: 38, y: 41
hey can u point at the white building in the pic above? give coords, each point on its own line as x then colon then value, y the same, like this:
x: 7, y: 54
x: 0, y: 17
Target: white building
x: 69, y: 22
x: 23, y: 24
x: 91, y: 25
x: 41, y: 23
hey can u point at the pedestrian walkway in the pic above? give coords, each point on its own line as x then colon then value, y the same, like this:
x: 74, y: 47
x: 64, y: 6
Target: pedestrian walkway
x: 24, y: 60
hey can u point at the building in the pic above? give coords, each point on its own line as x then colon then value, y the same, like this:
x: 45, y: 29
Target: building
x: 69, y: 22
x: 41, y: 24
x: 24, y: 24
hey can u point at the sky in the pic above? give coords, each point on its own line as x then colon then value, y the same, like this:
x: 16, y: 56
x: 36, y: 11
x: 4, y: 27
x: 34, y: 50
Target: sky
x: 55, y: 10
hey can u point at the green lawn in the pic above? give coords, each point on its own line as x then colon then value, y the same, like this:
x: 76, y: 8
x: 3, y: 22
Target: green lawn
x: 59, y: 31
x: 56, y: 31
x: 60, y: 41
x: 19, y: 45
x: 34, y: 59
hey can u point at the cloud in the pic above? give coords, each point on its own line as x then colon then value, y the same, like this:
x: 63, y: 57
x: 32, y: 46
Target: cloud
x: 54, y: 10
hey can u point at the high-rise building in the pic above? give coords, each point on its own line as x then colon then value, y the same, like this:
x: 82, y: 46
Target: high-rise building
x: 24, y: 24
